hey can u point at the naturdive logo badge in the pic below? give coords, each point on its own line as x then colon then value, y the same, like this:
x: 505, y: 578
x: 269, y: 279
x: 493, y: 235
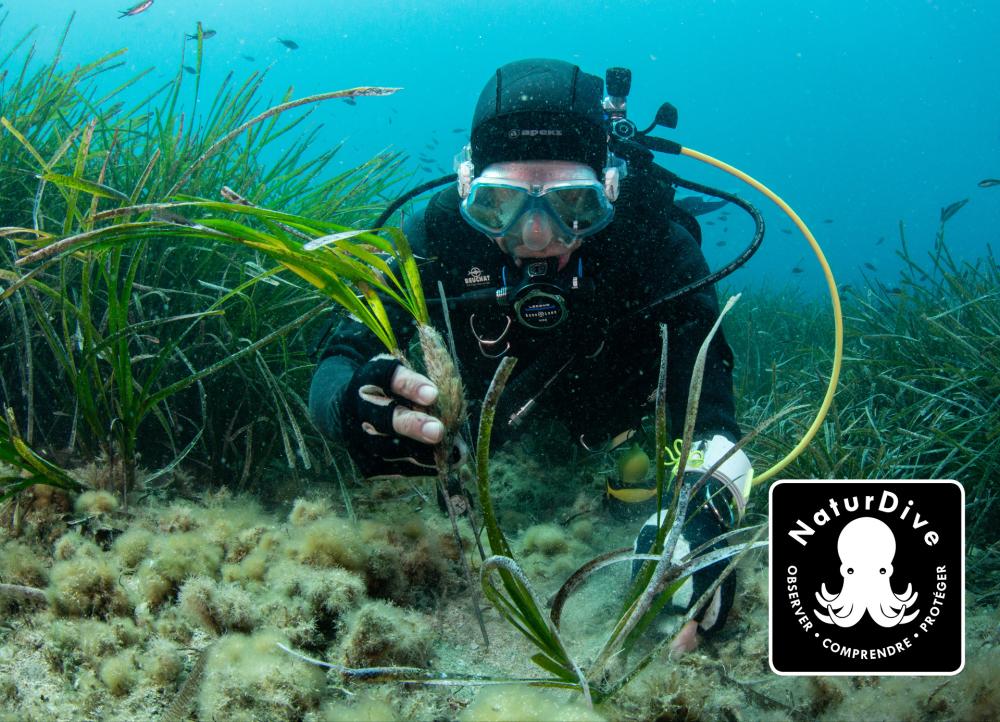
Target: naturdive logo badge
x: 867, y: 577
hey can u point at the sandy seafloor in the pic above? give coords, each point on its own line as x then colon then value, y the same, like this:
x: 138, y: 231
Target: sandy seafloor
x: 189, y: 570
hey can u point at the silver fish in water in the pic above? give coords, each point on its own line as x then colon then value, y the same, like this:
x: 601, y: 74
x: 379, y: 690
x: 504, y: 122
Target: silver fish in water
x: 948, y: 211
x: 136, y: 9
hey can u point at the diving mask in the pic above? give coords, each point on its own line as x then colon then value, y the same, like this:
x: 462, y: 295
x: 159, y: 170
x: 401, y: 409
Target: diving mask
x: 574, y: 204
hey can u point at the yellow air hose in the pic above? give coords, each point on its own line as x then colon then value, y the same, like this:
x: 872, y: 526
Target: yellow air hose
x: 838, y: 321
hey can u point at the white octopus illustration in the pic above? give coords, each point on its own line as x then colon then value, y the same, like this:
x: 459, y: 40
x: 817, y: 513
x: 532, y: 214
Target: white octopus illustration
x: 866, y: 547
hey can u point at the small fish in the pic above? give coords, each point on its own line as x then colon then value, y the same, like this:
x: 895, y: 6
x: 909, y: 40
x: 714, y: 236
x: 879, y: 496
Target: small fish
x: 169, y: 216
x: 880, y: 241
x: 787, y: 231
x: 390, y: 120
x: 177, y: 219
x: 290, y: 44
x: 698, y: 206
x: 332, y: 238
x: 429, y: 147
x: 248, y: 57
x: 426, y: 169
x: 948, y: 211
x: 259, y: 270
x: 462, y: 130
x: 870, y: 266
x: 189, y: 69
x: 988, y: 182
x: 725, y: 229
x: 828, y: 220
x: 232, y: 196
x: 844, y: 287
x: 136, y: 9
x: 798, y: 269
x: 720, y: 244
x: 350, y: 101
x: 426, y: 160
x: 442, y: 171
x: 205, y: 35
x: 709, y: 223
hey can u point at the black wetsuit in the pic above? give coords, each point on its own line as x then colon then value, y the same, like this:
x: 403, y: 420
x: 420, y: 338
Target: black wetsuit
x: 645, y: 253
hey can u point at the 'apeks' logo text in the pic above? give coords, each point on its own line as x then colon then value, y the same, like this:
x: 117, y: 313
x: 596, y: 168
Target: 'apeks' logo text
x: 525, y: 133
x: 867, y: 577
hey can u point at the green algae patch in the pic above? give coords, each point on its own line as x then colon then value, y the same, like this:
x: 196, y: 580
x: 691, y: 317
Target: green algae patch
x: 310, y: 605
x: 162, y: 663
x: 95, y: 502
x: 366, y: 709
x: 383, y: 635
x: 19, y: 564
x: 218, y: 607
x: 87, y: 643
x: 250, y: 678
x: 133, y: 547
x: 119, y: 673
x: 329, y: 542
x: 87, y: 587
x: 174, y: 559
x: 527, y: 704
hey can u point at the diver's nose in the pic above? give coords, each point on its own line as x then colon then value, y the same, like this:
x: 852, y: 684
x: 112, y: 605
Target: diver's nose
x: 536, y: 232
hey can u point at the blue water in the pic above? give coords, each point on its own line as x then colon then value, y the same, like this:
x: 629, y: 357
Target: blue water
x: 864, y: 113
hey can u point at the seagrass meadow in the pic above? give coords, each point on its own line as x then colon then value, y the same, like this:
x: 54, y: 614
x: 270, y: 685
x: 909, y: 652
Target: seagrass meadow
x: 178, y: 541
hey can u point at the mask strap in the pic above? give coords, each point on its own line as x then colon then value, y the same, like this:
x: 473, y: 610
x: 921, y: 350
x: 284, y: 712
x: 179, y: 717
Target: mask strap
x: 465, y: 170
x: 614, y: 171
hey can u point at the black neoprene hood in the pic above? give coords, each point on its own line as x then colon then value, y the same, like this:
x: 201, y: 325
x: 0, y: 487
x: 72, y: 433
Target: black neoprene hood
x: 539, y: 109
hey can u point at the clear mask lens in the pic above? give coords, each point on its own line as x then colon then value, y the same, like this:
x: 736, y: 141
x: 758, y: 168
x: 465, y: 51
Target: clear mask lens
x: 577, y: 209
x: 494, y: 208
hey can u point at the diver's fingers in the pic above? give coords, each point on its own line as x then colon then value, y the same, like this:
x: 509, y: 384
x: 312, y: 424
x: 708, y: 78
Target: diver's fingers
x: 686, y: 640
x: 417, y: 425
x: 413, y: 387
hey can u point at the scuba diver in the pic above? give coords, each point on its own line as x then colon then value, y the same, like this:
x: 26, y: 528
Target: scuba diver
x: 560, y: 244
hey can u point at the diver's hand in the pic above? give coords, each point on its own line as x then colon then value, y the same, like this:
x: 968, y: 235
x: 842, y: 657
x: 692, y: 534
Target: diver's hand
x: 421, y: 391
x: 384, y: 421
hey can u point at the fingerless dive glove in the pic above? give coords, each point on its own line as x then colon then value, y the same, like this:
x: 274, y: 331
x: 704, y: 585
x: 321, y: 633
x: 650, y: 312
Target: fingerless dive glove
x: 366, y: 411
